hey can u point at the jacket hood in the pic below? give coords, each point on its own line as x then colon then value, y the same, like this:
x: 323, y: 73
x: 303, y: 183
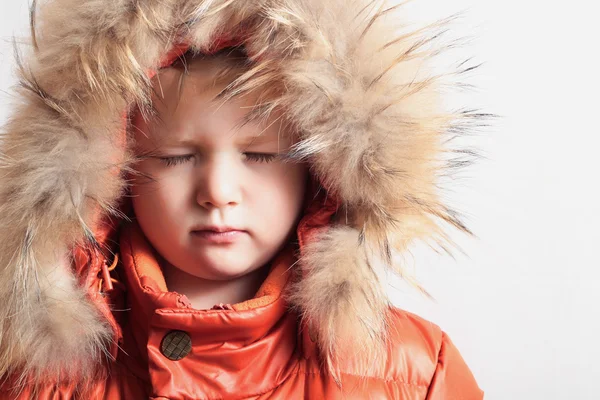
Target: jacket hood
x: 373, y: 125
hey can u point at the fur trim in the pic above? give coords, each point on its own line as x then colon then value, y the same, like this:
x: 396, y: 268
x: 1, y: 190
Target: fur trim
x: 343, y: 295
x: 359, y: 92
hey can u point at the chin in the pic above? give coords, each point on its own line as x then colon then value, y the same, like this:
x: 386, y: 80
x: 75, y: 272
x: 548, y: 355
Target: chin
x: 221, y: 275
x: 220, y: 272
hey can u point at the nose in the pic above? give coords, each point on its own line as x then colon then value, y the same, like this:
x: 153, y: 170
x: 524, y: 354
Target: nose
x: 219, y: 183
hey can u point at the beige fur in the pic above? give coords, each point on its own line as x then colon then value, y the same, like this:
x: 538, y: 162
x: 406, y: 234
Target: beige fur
x: 367, y: 107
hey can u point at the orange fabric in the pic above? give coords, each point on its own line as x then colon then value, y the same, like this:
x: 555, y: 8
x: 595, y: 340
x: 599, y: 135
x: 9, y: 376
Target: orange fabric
x: 256, y: 351
x: 146, y: 265
x: 450, y: 375
x: 423, y: 365
x: 272, y: 286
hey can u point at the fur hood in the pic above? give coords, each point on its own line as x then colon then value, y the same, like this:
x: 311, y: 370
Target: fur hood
x: 359, y: 88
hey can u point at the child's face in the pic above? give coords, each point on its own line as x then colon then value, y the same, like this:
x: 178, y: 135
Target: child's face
x: 204, y: 173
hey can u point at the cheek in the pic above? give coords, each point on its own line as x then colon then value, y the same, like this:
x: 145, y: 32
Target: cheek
x: 283, y: 191
x: 161, y: 199
x: 298, y: 178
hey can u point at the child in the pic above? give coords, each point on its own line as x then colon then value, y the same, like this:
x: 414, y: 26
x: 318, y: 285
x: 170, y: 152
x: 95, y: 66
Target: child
x: 228, y: 237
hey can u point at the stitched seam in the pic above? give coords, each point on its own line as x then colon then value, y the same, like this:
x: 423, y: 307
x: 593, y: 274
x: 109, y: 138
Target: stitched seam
x: 437, y: 365
x: 400, y: 381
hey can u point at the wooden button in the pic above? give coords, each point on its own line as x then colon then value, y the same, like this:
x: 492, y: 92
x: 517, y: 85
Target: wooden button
x: 176, y: 345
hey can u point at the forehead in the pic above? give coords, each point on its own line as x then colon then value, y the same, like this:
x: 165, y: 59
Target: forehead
x: 186, y: 102
x: 197, y: 84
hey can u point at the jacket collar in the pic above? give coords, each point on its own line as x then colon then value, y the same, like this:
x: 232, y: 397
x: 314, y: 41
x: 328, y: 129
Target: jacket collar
x: 223, y: 338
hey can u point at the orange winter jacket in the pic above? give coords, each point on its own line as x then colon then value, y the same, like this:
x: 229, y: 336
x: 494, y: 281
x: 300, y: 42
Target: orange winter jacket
x: 257, y: 349
x: 84, y: 309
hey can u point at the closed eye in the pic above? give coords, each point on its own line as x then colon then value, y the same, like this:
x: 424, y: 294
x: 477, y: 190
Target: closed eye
x: 176, y: 160
x: 260, y: 157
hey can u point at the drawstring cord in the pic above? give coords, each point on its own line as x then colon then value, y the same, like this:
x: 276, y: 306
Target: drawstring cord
x: 106, y: 270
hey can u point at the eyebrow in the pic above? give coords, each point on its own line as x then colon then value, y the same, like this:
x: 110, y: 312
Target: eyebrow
x: 258, y: 139
x: 245, y: 141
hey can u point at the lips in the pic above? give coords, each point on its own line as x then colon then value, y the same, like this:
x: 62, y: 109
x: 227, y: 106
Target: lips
x: 214, y: 237
x: 215, y: 228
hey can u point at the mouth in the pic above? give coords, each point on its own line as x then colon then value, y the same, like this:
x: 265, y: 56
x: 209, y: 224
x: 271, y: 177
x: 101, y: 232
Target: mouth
x: 217, y: 229
x: 218, y: 237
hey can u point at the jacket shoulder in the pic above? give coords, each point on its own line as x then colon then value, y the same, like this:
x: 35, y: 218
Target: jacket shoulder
x: 420, y: 353
x: 409, y: 353
x: 413, y: 347
x: 408, y: 364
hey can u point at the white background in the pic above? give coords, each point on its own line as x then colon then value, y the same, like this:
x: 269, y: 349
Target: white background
x: 522, y: 304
